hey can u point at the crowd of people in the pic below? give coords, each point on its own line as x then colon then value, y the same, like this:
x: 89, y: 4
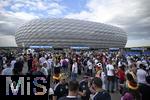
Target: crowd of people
x: 84, y: 75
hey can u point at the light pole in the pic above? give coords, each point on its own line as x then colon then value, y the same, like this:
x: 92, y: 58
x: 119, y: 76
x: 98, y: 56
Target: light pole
x: 23, y: 45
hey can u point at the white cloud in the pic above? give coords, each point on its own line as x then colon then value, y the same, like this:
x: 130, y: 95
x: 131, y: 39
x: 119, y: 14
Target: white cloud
x: 57, y: 0
x: 23, y: 15
x: 55, y: 9
x: 4, y: 3
x: 145, y: 21
x: 10, y: 24
x: 2, y: 22
x: 54, y: 5
x: 41, y: 5
x: 54, y: 12
x: 10, y: 21
x: 82, y: 15
x: 33, y: 8
x: 29, y: 3
x: 105, y: 11
x: 16, y: 7
x: 13, y: 18
x: 21, y: 11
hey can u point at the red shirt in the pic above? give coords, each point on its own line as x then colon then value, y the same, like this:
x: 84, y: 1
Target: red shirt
x: 121, y: 74
x: 34, y: 62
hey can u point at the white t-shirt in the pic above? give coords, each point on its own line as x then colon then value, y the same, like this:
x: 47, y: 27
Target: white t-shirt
x: 110, y: 70
x: 89, y: 64
x: 74, y: 68
x: 129, y: 62
x: 119, y: 64
x: 141, y: 76
x: 13, y: 63
x: 42, y: 60
x: 50, y: 61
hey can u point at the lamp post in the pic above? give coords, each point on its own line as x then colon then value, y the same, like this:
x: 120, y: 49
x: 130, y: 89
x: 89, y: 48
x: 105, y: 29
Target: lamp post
x: 23, y: 45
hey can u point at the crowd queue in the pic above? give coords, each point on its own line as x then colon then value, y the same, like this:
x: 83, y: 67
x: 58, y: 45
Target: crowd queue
x: 84, y: 75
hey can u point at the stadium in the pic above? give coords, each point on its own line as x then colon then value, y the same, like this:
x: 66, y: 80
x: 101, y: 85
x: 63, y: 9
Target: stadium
x: 67, y: 33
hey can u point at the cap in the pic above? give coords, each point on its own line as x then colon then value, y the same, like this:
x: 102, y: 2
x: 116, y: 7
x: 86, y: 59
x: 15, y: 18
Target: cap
x: 99, y: 65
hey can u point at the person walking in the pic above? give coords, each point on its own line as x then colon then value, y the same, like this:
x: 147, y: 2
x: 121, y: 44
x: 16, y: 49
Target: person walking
x: 110, y: 76
x: 74, y: 70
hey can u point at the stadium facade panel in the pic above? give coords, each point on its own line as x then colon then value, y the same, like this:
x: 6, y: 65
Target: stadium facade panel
x: 70, y: 32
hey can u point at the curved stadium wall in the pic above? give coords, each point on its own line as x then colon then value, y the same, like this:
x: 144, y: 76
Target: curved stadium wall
x: 62, y: 33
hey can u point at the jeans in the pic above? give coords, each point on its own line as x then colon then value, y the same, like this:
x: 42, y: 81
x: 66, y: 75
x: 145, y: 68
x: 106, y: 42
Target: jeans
x: 116, y: 83
x: 65, y: 69
x: 73, y: 76
x: 110, y: 83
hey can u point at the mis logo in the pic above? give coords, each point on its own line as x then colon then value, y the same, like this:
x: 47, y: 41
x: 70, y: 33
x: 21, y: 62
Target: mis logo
x: 26, y: 85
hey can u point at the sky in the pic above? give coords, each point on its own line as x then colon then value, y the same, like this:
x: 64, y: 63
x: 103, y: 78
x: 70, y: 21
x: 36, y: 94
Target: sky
x: 131, y: 15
